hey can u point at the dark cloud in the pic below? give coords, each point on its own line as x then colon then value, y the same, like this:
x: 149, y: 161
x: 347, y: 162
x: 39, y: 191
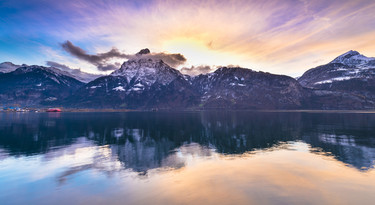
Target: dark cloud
x: 172, y: 59
x: 77, y: 73
x: 58, y: 65
x: 196, y: 70
x: 100, y: 60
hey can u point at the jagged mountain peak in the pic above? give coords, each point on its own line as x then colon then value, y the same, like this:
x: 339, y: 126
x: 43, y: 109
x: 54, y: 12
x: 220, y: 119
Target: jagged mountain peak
x: 231, y: 69
x: 136, y: 63
x: 352, y: 58
x: 31, y: 68
x: 350, y: 53
x: 36, y: 85
x: 27, y: 69
x: 144, y: 51
x: 148, y: 71
x: 52, y: 73
x: 348, y: 71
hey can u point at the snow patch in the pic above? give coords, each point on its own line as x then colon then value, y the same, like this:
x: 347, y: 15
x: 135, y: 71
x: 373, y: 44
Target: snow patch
x: 136, y: 89
x: 352, y: 58
x: 119, y: 88
x: 138, y: 85
x: 335, y: 79
x: 238, y: 84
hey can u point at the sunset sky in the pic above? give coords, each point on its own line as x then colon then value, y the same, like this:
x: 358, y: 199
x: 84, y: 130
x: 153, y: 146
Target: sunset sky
x: 282, y: 37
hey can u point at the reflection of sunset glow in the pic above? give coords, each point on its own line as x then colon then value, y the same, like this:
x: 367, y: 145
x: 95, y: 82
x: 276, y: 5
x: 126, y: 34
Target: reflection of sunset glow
x: 220, y: 158
x: 289, y: 174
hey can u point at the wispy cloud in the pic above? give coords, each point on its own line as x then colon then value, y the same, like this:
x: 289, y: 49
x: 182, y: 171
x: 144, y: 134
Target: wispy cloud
x: 102, y: 60
x: 270, y: 35
x: 196, y: 70
x: 77, y: 73
x: 172, y: 59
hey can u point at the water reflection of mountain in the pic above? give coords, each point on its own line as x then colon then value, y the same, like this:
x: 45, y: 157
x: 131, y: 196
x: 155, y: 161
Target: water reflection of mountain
x: 143, y: 141
x: 359, y: 153
x: 349, y: 137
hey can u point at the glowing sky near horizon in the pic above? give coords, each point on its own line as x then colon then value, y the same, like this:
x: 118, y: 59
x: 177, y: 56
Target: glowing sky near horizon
x: 282, y: 37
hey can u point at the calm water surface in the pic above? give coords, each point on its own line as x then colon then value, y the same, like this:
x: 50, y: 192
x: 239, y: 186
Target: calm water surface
x: 187, y: 158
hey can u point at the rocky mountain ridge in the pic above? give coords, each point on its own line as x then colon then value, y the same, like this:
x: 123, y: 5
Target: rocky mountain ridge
x: 36, y: 86
x: 347, y: 82
x: 348, y: 78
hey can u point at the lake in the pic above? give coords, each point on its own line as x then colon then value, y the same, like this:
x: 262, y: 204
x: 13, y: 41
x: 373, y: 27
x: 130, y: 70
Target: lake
x: 187, y: 158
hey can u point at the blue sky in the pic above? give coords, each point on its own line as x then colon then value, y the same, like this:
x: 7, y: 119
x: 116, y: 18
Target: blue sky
x: 285, y: 37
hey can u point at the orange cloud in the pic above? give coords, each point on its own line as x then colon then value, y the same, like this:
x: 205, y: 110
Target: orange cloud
x: 284, y: 37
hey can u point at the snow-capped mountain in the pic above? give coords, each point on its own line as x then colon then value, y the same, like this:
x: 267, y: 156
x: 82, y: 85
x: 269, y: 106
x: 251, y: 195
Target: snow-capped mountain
x: 347, y: 82
x: 80, y: 75
x: 147, y: 71
x: 350, y: 66
x: 244, y: 88
x: 354, y: 58
x: 149, y: 84
x: 35, y: 85
x: 143, y: 83
x: 7, y: 67
x: 146, y: 84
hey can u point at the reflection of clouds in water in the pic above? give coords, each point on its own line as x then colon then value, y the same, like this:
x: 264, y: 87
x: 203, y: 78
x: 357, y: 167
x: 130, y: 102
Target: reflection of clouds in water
x: 291, y: 176
x: 143, y: 141
x: 77, y: 157
x: 114, y: 158
x: 139, y: 154
x: 146, y: 154
x: 158, y: 158
x: 98, y: 158
x: 3, y: 154
x: 287, y: 176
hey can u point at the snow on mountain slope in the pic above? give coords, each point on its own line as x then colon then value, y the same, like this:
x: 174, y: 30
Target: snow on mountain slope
x: 147, y: 71
x: 142, y: 83
x: 7, y: 67
x: 235, y: 87
x: 79, y: 75
x: 349, y: 66
x: 59, y: 76
x: 36, y: 85
x: 353, y: 58
x: 136, y: 76
x: 347, y: 82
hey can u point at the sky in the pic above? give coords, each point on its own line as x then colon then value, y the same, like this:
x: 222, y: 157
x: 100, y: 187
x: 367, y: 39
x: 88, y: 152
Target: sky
x: 277, y: 36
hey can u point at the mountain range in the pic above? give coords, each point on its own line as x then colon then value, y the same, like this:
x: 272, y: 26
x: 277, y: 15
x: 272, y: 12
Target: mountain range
x: 347, y: 82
